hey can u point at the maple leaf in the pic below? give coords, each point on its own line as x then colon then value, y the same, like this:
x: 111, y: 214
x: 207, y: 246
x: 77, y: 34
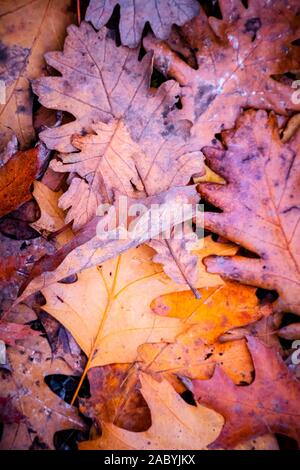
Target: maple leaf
x: 160, y: 14
x: 45, y: 413
x: 22, y: 58
x: 17, y: 176
x: 259, y: 211
x: 236, y: 64
x: 175, y: 424
x: 270, y: 403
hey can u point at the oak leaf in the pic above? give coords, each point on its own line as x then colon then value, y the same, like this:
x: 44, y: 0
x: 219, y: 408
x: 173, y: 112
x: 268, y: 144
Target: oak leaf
x: 260, y: 211
x: 175, y: 424
x: 269, y: 404
x: 130, y: 146
x: 235, y: 63
x: 22, y: 58
x: 160, y: 14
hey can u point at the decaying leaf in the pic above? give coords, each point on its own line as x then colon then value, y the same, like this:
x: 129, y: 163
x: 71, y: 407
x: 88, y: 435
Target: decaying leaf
x: 27, y: 31
x: 160, y: 14
x: 270, y: 403
x: 259, y: 211
x: 235, y: 63
x: 175, y: 424
x: 45, y: 413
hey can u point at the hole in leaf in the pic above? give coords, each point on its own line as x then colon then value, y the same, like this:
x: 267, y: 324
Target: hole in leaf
x: 67, y: 439
x: 65, y: 386
x: 188, y: 397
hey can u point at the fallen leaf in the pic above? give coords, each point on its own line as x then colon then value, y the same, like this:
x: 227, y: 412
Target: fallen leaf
x: 189, y: 356
x: 160, y: 15
x: 259, y: 211
x: 116, y: 398
x: 236, y: 64
x: 269, y: 404
x: 17, y: 176
x: 45, y: 413
x: 88, y: 248
x: 219, y: 309
x: 27, y: 31
x: 11, y: 332
x: 127, y: 144
x: 175, y: 424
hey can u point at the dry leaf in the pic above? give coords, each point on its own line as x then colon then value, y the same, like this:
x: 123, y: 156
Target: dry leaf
x: 45, y: 413
x: 116, y: 398
x: 260, y: 210
x: 27, y: 31
x: 17, y: 176
x: 175, y: 424
x: 11, y: 332
x: 134, y: 15
x: 88, y: 249
x: 235, y: 63
x: 270, y: 403
x: 130, y: 148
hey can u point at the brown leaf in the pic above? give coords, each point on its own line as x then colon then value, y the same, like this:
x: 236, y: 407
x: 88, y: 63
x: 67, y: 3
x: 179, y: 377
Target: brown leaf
x: 260, y: 209
x: 235, y: 63
x: 161, y: 15
x: 116, y: 398
x: 17, y: 176
x: 27, y: 31
x: 269, y: 404
x: 45, y: 413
